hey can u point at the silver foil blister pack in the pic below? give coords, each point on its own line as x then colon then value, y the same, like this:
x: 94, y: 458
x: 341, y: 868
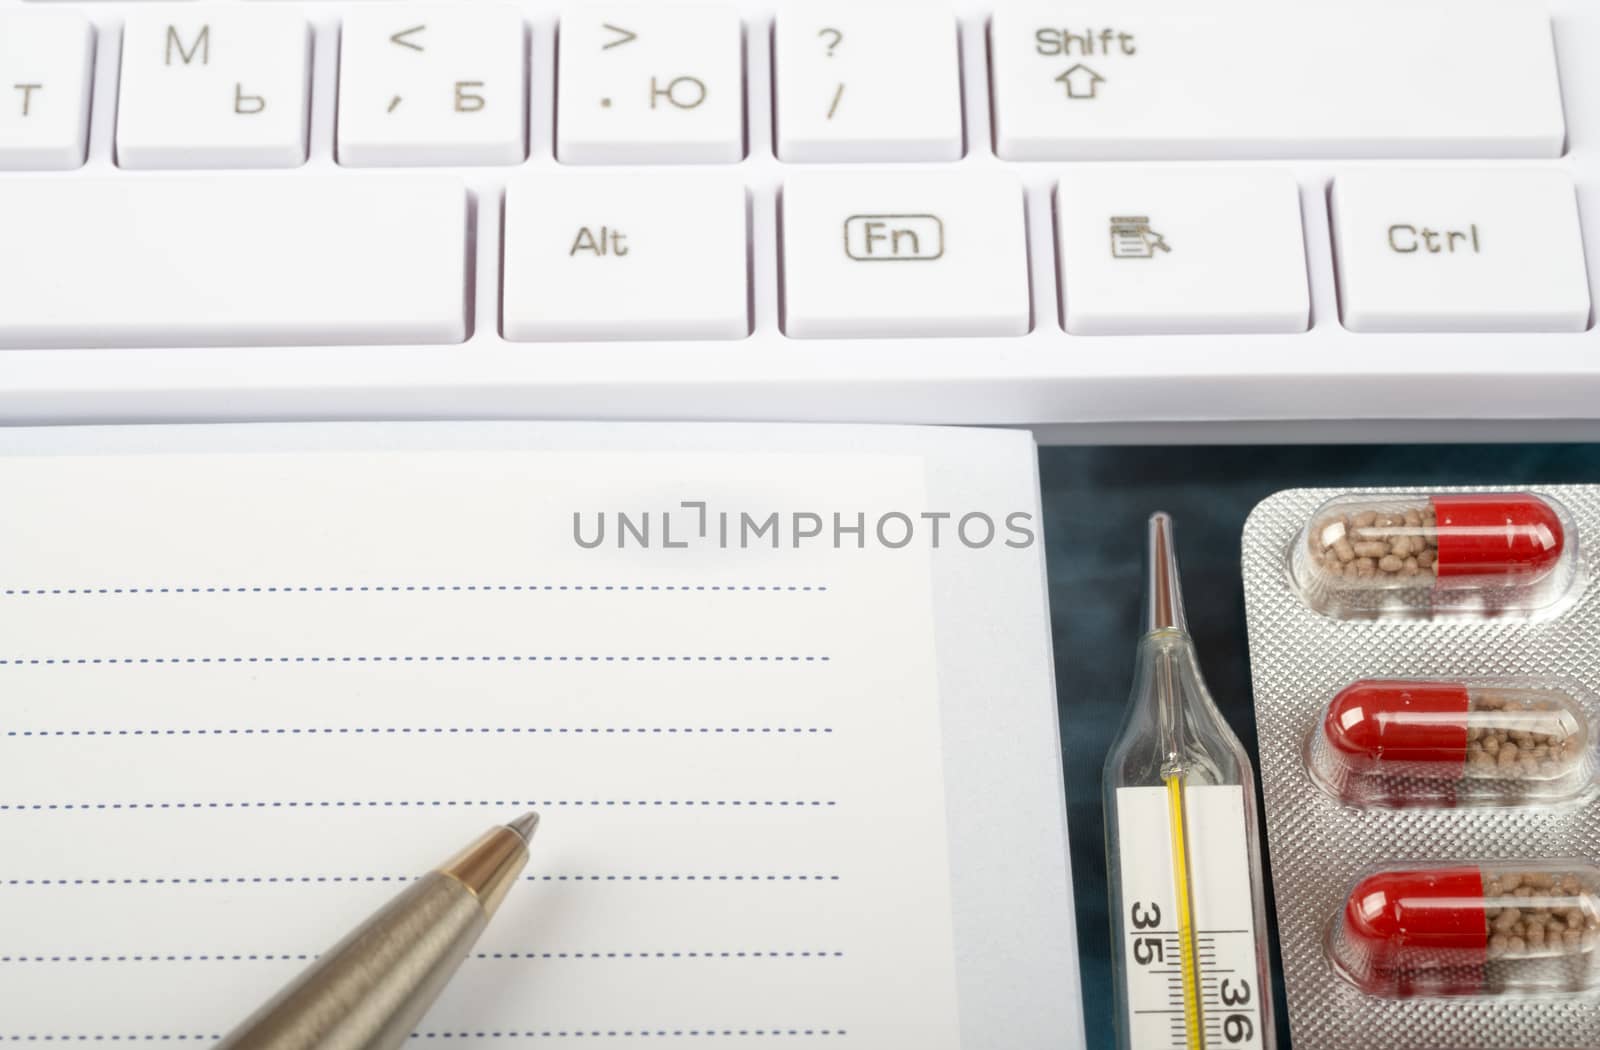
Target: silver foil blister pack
x: 1428, y: 726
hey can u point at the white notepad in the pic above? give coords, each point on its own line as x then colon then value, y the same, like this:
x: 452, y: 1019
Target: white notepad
x: 799, y: 781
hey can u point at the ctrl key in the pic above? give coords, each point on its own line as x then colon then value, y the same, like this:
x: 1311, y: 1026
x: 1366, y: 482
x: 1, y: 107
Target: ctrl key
x: 1459, y: 250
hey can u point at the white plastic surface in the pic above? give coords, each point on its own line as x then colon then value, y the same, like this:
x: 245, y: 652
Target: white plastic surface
x: 650, y: 83
x: 927, y: 253
x: 866, y: 81
x: 1469, y: 250
x: 432, y: 84
x: 247, y: 260
x: 1181, y: 249
x: 1298, y: 387
x: 1264, y: 78
x: 214, y: 86
x: 619, y: 255
x: 45, y: 63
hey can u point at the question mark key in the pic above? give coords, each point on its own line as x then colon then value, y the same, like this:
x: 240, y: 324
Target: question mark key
x: 859, y: 83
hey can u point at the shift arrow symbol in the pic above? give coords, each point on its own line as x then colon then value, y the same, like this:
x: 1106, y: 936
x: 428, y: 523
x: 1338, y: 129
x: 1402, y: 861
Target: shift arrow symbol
x: 400, y: 37
x: 624, y: 36
x: 1081, y: 81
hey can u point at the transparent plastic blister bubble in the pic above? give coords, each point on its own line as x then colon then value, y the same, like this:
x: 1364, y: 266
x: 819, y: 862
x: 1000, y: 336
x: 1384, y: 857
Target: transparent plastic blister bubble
x: 1478, y: 928
x: 1456, y: 742
x: 1430, y: 766
x: 1368, y: 556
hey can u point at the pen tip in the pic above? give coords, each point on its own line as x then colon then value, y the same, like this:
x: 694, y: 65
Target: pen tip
x: 525, y: 825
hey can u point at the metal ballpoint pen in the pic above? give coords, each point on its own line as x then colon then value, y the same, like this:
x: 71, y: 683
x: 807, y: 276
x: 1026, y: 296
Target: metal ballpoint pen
x: 369, y: 990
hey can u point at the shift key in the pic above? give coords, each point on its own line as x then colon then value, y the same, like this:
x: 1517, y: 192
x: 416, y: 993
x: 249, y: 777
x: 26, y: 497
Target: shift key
x: 1110, y: 80
x: 246, y: 260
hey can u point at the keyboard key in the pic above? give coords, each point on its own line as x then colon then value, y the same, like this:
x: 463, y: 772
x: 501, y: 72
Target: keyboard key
x: 1101, y: 80
x: 431, y: 84
x: 1157, y: 250
x: 250, y: 260
x: 213, y: 87
x: 649, y: 83
x: 625, y: 256
x: 1459, y: 250
x: 904, y: 253
x: 867, y: 81
x: 46, y: 59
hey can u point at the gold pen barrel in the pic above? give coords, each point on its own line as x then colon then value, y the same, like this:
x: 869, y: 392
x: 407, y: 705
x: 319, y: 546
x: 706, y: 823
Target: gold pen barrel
x: 369, y: 991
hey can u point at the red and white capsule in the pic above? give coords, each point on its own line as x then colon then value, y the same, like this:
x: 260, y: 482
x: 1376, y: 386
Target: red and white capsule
x: 1442, y: 540
x: 1478, y: 553
x: 1495, y: 928
x: 1401, y: 741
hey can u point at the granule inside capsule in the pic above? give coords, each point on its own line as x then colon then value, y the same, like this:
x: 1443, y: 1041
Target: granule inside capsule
x: 1378, y: 545
x: 1540, y: 914
x: 1511, y: 736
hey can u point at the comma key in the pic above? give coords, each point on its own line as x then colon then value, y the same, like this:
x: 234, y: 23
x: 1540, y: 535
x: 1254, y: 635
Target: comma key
x: 431, y: 84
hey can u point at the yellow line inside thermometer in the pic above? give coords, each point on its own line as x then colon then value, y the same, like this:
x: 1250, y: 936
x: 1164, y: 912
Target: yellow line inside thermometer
x: 1180, y: 874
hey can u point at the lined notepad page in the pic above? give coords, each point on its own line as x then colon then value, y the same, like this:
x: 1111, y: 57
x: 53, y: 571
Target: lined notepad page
x: 245, y: 698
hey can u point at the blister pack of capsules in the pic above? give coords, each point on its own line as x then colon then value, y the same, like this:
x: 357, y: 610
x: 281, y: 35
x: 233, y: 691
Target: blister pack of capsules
x: 1426, y: 670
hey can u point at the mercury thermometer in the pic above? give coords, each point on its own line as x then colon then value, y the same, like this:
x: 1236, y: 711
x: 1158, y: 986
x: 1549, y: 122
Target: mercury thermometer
x: 1188, y: 918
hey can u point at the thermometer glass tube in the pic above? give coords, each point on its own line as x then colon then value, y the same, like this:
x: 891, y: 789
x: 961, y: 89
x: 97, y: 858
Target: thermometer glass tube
x: 1480, y: 929
x: 1188, y: 919
x: 1386, y: 553
x: 1403, y: 741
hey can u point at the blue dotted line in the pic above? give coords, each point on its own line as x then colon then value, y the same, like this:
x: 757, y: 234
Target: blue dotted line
x: 449, y: 730
x: 257, y: 957
x: 548, y: 1033
x: 508, y: 658
x: 421, y: 803
x: 114, y: 1038
x: 487, y: 956
x: 195, y: 880
x: 39, y: 592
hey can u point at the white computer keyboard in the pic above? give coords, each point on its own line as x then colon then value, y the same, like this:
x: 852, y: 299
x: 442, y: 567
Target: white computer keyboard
x: 1109, y: 219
